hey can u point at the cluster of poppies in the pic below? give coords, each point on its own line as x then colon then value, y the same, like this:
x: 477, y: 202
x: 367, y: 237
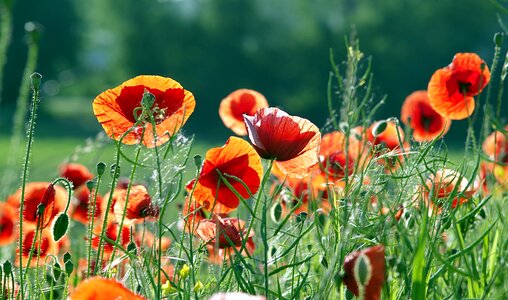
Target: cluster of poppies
x: 309, y: 172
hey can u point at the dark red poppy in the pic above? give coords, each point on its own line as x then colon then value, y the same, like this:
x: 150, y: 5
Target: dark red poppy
x: 43, y: 246
x: 293, y: 142
x: 451, y: 89
x: 425, y: 122
x: 78, y: 174
x: 365, y: 272
x: 236, y: 158
x: 112, y: 234
x: 235, y: 105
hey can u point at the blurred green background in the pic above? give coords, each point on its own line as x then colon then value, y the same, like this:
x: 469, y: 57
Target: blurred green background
x: 212, y: 47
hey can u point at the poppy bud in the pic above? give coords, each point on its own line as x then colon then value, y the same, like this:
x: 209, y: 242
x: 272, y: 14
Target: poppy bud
x: 498, y: 39
x: 7, y: 268
x: 60, y: 226
x: 101, y: 167
x: 148, y: 100
x: 35, y: 79
x: 379, y: 128
x: 115, y: 171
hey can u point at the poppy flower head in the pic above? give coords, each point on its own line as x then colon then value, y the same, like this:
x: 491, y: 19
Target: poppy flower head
x: 139, y: 204
x: 42, y: 246
x: 42, y: 199
x: 235, y: 105
x: 293, y: 142
x: 388, y: 137
x: 82, y: 199
x: 112, y: 234
x: 98, y: 288
x: 192, y: 214
x: 8, y: 224
x: 425, y: 122
x: 496, y: 146
x: 120, y: 108
x: 365, y: 272
x: 451, y: 89
x: 229, y: 231
x: 236, y: 158
x: 78, y: 174
x: 218, y: 255
x: 441, y: 185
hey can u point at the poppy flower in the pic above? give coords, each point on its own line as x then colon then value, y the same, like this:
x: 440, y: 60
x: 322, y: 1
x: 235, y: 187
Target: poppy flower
x: 440, y: 186
x: 365, y: 272
x: 235, y: 105
x: 293, y: 142
x: 139, y: 204
x: 111, y: 233
x: 52, y: 197
x: 222, y: 232
x: 451, y: 89
x: 8, y: 224
x: 98, y: 288
x: 44, y: 246
x: 116, y: 110
x: 78, y: 174
x: 192, y: 213
x: 425, y: 122
x: 149, y: 240
x: 387, y: 137
x: 218, y: 255
x: 236, y: 158
x: 496, y: 147
x: 81, y: 203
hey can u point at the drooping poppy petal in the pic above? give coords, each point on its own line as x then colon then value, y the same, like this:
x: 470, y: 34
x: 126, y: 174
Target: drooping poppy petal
x: 235, y: 105
x: 78, y: 174
x: 220, y: 255
x: 425, y: 122
x: 229, y: 231
x: 115, y: 109
x: 139, y: 204
x: 98, y: 288
x: 236, y: 158
x: 292, y: 141
x: 51, y: 197
x: 8, y: 224
x: 192, y: 213
x: 365, y: 272
x: 451, y: 89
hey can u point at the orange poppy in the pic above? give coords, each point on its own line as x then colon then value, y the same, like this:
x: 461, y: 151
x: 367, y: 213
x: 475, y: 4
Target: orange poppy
x: 426, y: 123
x: 496, y: 147
x: 292, y: 141
x: 365, y: 272
x: 139, y: 204
x: 192, y: 214
x: 235, y: 105
x: 53, y: 198
x: 81, y: 203
x: 98, y: 288
x: 44, y: 245
x: 388, y: 138
x: 451, y: 89
x: 149, y: 240
x: 78, y: 174
x: 236, y: 158
x: 8, y: 224
x: 442, y: 184
x: 229, y: 231
x: 115, y: 110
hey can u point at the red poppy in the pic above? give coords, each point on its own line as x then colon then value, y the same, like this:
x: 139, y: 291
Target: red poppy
x: 236, y: 158
x: 365, y: 272
x: 442, y: 184
x: 115, y: 110
x: 78, y: 174
x: 451, y: 89
x: 192, y: 214
x: 139, y: 204
x: 220, y: 255
x: 98, y: 288
x: 387, y: 137
x: 52, y: 197
x: 81, y: 203
x: 426, y: 123
x: 292, y: 141
x: 111, y: 233
x: 235, y: 105
x: 44, y: 245
x: 229, y: 231
x: 496, y: 147
x: 8, y: 224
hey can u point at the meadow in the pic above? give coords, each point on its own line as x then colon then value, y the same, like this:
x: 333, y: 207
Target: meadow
x: 363, y: 207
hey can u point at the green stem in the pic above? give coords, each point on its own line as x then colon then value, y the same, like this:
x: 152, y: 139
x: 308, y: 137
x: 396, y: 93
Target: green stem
x: 5, y: 37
